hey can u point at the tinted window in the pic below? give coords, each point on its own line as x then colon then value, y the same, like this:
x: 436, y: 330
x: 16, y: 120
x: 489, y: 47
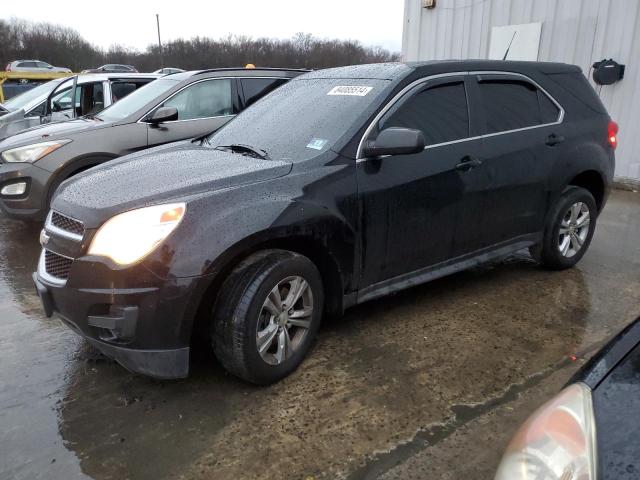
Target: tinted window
x: 440, y: 112
x: 513, y: 104
x: 256, y: 88
x: 122, y: 89
x: 548, y: 110
x: 211, y: 98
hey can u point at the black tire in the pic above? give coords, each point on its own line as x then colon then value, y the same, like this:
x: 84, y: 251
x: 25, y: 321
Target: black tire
x: 549, y: 252
x: 239, y: 306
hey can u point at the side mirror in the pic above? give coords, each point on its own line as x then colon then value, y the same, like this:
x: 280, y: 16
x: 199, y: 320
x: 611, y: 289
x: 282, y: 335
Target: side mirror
x: 163, y: 114
x: 395, y: 141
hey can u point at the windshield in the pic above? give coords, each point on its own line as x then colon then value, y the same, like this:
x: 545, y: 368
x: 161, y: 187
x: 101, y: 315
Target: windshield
x: 136, y: 100
x: 25, y: 99
x: 302, y: 118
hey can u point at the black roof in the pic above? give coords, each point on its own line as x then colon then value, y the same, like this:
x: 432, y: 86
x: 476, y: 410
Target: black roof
x: 392, y: 71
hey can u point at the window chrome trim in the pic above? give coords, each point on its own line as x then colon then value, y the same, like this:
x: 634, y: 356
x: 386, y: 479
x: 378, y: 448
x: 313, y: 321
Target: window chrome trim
x: 51, y: 228
x: 42, y: 270
x: 140, y: 120
x: 411, y: 86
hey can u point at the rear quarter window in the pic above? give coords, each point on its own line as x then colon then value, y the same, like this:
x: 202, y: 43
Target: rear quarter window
x: 576, y: 85
x: 256, y: 88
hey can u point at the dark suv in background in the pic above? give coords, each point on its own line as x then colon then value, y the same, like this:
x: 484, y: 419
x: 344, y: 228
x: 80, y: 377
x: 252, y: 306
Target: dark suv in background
x: 341, y: 186
x: 175, y: 107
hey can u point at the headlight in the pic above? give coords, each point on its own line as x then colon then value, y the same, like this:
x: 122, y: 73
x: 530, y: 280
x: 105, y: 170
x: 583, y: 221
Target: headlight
x: 32, y: 153
x: 130, y: 236
x: 558, y: 442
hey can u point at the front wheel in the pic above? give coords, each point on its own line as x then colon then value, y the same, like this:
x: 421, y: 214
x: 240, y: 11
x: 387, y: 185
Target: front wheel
x: 569, y: 229
x: 267, y: 315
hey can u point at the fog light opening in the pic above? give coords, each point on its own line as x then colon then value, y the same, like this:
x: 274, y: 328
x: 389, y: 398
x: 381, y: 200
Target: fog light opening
x: 15, y: 189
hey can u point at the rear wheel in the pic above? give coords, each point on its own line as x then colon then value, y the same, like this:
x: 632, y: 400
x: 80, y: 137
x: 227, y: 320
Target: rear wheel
x: 569, y: 229
x: 267, y: 315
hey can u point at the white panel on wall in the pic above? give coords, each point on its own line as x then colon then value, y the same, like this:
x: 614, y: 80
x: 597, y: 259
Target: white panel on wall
x: 521, y: 41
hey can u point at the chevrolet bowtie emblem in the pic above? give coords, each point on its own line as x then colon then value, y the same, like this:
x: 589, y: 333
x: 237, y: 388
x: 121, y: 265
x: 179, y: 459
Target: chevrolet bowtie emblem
x: 44, y: 238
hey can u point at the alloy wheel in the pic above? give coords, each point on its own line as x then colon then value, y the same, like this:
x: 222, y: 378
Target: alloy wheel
x: 574, y: 229
x: 284, y: 319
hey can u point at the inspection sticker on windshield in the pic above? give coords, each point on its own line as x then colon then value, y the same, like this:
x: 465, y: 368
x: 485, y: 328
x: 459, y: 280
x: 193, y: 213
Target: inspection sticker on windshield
x: 350, y: 90
x: 317, y: 143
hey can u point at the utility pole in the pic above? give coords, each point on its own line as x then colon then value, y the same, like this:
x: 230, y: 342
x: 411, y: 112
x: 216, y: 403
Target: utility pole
x: 159, y: 42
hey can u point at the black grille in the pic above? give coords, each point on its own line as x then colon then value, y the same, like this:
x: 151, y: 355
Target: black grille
x: 57, y: 265
x: 67, y: 224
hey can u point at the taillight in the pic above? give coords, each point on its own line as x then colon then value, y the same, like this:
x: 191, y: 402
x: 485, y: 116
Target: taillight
x: 8, y: 69
x: 612, y: 134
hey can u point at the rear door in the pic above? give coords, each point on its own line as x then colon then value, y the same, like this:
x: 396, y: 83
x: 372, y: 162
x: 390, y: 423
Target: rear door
x: 203, y: 107
x: 522, y: 138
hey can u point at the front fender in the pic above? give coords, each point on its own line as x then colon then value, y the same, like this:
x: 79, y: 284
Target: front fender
x: 208, y: 247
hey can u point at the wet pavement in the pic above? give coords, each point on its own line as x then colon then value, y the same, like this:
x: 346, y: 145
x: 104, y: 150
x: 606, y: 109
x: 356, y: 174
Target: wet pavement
x: 428, y: 383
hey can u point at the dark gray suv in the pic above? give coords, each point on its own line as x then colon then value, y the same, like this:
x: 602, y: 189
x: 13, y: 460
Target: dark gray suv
x: 184, y: 105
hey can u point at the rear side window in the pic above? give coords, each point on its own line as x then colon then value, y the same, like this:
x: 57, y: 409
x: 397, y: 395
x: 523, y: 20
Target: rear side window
x: 514, y: 104
x: 440, y: 112
x: 256, y: 88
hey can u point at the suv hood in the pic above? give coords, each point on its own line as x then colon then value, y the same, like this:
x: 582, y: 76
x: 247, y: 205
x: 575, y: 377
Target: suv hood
x: 163, y: 174
x: 51, y: 131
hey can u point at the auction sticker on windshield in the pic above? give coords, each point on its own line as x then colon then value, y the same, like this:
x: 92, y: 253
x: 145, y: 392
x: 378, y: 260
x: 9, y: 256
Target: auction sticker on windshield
x: 317, y: 143
x: 350, y: 90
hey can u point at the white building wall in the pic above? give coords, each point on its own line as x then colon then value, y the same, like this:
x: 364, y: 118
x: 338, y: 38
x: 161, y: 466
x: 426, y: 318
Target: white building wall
x: 573, y: 31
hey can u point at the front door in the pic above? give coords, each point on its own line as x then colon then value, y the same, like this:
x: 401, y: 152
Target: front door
x: 411, y: 204
x: 203, y: 107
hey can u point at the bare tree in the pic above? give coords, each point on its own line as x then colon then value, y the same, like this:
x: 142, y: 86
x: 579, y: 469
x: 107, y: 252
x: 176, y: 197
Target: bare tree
x: 65, y: 47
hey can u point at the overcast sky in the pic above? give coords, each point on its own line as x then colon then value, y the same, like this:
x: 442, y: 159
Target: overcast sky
x: 132, y: 23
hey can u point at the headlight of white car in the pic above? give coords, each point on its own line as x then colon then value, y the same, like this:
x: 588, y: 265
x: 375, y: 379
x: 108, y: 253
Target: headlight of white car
x: 557, y: 442
x: 32, y: 153
x: 130, y: 236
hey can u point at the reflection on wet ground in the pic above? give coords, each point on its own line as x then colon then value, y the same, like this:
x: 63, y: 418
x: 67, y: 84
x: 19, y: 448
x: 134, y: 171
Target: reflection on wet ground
x: 434, y: 379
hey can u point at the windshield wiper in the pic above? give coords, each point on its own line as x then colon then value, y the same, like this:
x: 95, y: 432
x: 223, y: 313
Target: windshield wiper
x: 243, y: 149
x: 202, y: 139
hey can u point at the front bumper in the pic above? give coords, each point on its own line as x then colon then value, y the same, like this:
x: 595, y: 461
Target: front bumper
x: 146, y: 329
x: 30, y: 205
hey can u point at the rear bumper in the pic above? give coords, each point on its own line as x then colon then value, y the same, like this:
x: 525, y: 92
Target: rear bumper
x: 146, y: 330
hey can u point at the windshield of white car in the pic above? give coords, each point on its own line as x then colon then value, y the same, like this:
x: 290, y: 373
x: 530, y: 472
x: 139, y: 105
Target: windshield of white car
x: 136, y: 100
x: 25, y: 99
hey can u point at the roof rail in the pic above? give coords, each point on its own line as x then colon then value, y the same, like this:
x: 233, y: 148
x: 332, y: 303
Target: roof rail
x: 274, y: 69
